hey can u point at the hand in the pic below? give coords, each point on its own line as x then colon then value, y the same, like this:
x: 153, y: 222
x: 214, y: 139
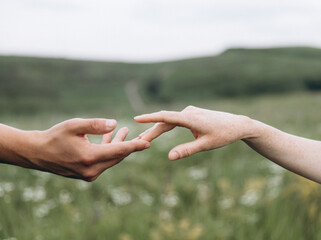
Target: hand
x: 211, y: 129
x: 65, y: 150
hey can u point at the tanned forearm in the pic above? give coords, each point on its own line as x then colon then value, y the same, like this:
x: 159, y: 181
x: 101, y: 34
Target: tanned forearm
x: 15, y: 145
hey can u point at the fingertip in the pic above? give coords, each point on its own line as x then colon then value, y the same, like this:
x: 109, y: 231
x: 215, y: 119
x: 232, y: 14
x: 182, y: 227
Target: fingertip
x: 144, y: 144
x: 146, y: 138
x: 141, y: 118
x: 147, y: 145
x: 173, y: 155
x: 125, y: 129
x: 136, y: 118
x: 140, y: 144
x: 111, y: 124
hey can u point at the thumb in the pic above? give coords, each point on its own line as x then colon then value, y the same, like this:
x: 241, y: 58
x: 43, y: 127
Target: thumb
x: 92, y: 126
x: 187, y: 149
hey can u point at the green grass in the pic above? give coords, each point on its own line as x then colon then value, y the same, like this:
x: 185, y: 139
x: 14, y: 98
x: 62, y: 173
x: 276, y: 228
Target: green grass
x: 229, y: 193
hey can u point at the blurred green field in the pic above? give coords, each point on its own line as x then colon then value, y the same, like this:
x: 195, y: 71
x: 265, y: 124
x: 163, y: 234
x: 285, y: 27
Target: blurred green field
x: 30, y: 86
x: 229, y: 193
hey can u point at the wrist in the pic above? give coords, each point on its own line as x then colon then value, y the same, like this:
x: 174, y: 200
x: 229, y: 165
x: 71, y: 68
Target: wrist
x: 30, y: 148
x: 19, y: 147
x: 252, y: 128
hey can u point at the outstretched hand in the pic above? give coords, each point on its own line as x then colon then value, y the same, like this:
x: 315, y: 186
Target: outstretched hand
x: 65, y: 149
x: 211, y: 129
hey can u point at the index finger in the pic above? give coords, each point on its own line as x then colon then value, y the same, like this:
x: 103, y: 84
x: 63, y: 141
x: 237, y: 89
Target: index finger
x: 157, y: 130
x: 171, y: 117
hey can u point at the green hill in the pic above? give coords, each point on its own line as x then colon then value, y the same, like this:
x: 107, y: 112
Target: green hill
x: 30, y: 85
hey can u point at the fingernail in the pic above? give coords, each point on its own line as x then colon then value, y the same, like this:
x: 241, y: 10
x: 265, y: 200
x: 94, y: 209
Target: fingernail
x: 110, y: 123
x: 173, y: 156
x: 138, y: 116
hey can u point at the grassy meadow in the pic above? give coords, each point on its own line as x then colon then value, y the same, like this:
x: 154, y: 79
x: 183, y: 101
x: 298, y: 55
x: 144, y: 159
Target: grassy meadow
x: 229, y: 193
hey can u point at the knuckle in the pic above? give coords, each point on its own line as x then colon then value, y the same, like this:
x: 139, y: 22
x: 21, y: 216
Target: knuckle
x: 163, y: 113
x: 95, y: 124
x: 189, y: 108
x: 121, y: 153
x: 76, y: 119
x: 187, y: 152
x: 87, y: 160
x: 73, y: 120
x: 89, y: 175
x: 69, y: 124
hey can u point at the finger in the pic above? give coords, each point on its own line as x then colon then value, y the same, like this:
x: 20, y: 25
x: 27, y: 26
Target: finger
x: 156, y: 131
x: 120, y: 135
x: 146, y: 131
x: 118, y: 150
x: 187, y: 149
x: 107, y: 138
x: 170, y: 117
x: 91, y: 126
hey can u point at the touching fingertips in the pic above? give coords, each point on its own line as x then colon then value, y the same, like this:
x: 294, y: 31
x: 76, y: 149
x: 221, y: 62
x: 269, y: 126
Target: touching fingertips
x: 147, y: 138
x: 147, y: 145
x: 144, y: 144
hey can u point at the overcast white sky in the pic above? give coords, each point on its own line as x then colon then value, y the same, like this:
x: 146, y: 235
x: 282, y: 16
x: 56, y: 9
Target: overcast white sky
x: 153, y: 30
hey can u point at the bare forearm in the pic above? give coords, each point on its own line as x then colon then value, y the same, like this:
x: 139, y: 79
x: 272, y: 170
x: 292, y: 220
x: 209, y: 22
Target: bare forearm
x: 300, y: 155
x: 15, y: 146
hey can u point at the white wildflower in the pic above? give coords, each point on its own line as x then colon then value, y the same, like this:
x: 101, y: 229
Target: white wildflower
x: 82, y: 185
x: 120, y: 197
x: 250, y: 197
x: 65, y: 197
x: 146, y: 198
x: 226, y: 202
x: 170, y: 199
x: 42, y: 177
x: 7, y: 186
x: 44, y: 209
x: 197, y: 173
x: 34, y: 194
